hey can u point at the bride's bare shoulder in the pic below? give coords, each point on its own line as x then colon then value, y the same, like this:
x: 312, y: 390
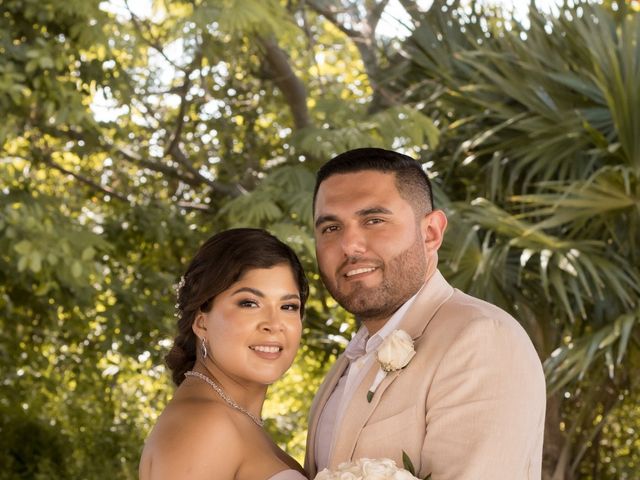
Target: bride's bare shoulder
x: 192, y: 438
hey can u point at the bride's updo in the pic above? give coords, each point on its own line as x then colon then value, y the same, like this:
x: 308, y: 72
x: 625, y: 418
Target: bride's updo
x: 219, y: 263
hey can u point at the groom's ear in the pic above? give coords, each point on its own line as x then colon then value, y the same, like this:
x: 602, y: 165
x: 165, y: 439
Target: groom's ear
x: 432, y: 226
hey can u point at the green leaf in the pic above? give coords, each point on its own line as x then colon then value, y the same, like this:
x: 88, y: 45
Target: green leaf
x: 76, y: 269
x: 22, y: 263
x: 88, y: 253
x: 408, y: 464
x: 35, y: 262
x: 23, y: 247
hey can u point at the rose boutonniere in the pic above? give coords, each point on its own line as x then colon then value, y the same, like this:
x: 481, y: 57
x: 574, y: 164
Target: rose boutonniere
x: 395, y: 353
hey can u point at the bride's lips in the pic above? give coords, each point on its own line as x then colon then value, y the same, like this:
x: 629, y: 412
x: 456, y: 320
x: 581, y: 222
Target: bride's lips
x: 269, y: 351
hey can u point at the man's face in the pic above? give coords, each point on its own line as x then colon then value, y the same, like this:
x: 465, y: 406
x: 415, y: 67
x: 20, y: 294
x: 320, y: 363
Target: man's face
x: 369, y: 243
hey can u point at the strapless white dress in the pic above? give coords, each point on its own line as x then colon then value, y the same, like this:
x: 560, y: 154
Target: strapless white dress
x: 288, y: 475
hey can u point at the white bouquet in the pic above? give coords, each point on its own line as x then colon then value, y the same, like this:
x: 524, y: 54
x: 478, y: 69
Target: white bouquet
x: 367, y: 469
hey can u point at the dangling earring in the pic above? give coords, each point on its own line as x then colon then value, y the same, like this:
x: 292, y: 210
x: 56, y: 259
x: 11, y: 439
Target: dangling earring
x: 203, y: 348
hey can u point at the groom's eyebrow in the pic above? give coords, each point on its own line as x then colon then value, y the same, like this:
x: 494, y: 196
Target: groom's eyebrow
x: 361, y: 213
x: 325, y: 218
x: 373, y: 211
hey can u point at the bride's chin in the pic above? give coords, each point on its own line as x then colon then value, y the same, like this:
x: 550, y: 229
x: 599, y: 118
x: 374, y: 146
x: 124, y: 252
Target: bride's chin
x: 267, y: 379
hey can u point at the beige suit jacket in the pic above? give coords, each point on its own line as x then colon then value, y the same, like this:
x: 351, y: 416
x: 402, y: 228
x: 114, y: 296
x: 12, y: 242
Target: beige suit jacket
x: 469, y: 406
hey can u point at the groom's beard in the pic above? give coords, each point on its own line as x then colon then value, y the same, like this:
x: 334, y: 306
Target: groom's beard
x: 402, y: 277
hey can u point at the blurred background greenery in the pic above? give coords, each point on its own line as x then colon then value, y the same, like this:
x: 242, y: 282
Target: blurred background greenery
x: 132, y: 131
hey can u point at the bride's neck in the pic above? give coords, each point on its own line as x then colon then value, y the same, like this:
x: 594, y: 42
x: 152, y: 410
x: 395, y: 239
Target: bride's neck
x: 249, y: 395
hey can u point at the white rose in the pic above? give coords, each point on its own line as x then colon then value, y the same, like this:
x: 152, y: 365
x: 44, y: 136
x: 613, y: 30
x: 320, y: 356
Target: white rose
x: 344, y: 473
x: 350, y: 467
x: 403, y: 475
x: 376, y: 470
x: 366, y: 469
x: 349, y: 476
x: 396, y: 351
x: 325, y: 474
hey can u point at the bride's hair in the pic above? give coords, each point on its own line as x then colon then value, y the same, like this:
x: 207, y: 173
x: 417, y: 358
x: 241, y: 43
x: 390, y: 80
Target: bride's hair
x: 219, y: 263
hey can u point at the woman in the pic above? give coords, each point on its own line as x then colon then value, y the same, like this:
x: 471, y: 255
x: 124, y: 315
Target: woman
x: 240, y: 307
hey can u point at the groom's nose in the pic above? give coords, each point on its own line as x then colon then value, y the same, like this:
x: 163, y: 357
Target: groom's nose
x: 353, y: 241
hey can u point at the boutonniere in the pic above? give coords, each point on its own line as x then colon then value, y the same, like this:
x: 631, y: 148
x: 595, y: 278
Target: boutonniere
x: 394, y: 353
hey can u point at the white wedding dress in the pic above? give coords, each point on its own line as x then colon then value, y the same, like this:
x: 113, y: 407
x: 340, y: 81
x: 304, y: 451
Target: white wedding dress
x: 288, y: 475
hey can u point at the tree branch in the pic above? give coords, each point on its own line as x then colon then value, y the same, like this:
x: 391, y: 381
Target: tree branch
x: 195, y: 206
x: 174, y: 149
x: 375, y: 13
x: 231, y: 190
x: 156, y: 166
x: 331, y: 15
x: 412, y: 9
x: 46, y: 158
x: 288, y: 83
x: 182, y: 110
x: 154, y: 42
x: 364, y: 38
x: 312, y: 44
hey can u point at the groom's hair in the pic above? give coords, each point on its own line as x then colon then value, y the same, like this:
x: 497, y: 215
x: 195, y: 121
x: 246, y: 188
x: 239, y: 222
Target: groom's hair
x: 412, y: 182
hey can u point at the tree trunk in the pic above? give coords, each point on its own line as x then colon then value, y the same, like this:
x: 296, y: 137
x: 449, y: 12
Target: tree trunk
x: 555, y: 454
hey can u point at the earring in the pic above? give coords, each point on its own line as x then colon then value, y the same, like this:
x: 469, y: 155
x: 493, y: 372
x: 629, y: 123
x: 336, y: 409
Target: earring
x: 203, y: 348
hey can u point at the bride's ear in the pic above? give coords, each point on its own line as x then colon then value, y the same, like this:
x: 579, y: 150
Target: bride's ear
x: 199, y: 326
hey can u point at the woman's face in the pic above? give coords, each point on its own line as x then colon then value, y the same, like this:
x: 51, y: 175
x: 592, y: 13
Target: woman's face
x: 253, y: 328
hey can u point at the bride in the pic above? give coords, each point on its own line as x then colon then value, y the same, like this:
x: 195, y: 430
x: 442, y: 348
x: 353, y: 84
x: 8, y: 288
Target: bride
x: 240, y: 307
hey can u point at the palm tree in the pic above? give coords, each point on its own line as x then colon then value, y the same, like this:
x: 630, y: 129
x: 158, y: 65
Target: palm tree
x: 539, y: 167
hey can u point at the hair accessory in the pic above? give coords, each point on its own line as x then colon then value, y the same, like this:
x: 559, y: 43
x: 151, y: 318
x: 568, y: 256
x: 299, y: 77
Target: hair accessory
x: 178, y: 286
x: 228, y: 400
x: 203, y: 348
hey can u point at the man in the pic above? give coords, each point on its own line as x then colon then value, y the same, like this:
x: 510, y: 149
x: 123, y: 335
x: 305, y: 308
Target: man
x: 470, y: 404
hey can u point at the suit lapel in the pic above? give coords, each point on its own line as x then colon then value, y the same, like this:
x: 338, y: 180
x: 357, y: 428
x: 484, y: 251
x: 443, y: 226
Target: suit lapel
x: 356, y: 415
x: 320, y: 400
x: 430, y: 298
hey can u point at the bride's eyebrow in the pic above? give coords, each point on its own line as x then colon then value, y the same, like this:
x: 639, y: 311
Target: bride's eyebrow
x: 290, y: 296
x: 258, y: 293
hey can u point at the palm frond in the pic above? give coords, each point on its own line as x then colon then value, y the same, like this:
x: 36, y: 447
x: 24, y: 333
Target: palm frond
x: 573, y: 360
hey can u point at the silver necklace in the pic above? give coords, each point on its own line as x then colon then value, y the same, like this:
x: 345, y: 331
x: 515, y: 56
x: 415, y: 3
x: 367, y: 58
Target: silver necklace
x: 224, y: 396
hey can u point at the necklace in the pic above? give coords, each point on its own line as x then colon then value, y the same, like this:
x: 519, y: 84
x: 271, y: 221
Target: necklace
x: 229, y: 401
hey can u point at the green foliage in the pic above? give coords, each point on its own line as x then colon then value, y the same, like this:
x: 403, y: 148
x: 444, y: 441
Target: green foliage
x: 402, y: 126
x: 539, y: 169
x: 42, y: 456
x: 102, y: 206
x: 288, y: 402
x: 128, y: 138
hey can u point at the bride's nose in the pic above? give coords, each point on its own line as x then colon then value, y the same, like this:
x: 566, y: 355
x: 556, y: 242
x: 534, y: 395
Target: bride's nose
x: 272, y: 322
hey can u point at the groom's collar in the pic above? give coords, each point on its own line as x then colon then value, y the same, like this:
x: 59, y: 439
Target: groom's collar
x: 433, y: 294
x: 361, y: 344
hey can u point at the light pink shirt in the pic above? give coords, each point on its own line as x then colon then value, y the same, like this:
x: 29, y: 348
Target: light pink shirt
x: 361, y: 354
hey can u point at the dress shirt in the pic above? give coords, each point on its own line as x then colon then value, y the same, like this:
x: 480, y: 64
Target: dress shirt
x: 361, y: 354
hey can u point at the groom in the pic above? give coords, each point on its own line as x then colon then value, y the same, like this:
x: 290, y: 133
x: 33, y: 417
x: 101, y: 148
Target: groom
x: 470, y: 403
